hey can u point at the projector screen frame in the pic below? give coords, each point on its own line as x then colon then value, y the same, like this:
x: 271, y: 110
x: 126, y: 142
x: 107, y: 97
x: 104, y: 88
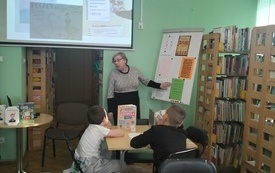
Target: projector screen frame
x: 61, y: 44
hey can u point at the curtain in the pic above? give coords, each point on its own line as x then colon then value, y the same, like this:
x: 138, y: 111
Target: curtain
x: 265, y: 12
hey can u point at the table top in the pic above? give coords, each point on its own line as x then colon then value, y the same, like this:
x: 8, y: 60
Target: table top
x: 40, y: 120
x: 123, y: 143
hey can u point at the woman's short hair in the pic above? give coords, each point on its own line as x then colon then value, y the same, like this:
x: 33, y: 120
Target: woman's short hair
x: 123, y: 56
x: 96, y: 114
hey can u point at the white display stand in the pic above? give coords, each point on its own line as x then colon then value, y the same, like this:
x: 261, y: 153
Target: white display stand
x: 177, y: 64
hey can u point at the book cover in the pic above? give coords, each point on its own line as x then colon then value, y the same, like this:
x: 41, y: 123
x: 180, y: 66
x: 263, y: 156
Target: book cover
x: 2, y: 113
x: 12, y: 115
x: 126, y: 116
x: 26, y: 112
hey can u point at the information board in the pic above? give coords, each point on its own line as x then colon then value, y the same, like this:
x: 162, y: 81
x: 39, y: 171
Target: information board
x: 177, y: 64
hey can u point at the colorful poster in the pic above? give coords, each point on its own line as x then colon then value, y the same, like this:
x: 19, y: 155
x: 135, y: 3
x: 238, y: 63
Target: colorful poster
x: 176, y: 89
x: 183, y: 45
x: 186, y: 67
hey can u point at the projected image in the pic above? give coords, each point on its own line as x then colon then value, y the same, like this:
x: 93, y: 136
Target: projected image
x: 82, y: 22
x: 55, y: 21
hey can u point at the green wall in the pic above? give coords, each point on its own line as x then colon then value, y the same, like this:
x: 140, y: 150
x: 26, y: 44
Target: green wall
x: 157, y: 16
x: 173, y: 14
x: 13, y: 83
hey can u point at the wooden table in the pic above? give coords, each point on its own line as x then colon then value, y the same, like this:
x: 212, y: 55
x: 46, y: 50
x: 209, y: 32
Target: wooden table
x: 40, y: 120
x: 123, y: 143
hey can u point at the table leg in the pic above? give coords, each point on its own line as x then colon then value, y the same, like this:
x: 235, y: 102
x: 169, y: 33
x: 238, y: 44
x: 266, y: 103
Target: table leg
x: 122, y: 154
x: 19, y: 141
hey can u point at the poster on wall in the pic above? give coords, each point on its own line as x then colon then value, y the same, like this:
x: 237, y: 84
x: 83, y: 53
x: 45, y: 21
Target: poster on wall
x: 177, y: 64
x: 183, y: 45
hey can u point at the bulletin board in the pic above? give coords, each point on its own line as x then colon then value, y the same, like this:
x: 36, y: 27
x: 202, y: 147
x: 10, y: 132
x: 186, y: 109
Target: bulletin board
x: 177, y: 64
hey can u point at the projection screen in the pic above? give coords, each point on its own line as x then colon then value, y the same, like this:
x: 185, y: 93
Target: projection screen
x: 67, y: 23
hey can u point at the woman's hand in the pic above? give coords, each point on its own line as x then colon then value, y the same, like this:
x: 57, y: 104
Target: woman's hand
x: 165, y: 85
x: 110, y: 115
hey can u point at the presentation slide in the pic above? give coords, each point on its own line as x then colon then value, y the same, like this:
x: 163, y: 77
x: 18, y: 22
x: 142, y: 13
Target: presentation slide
x: 96, y: 23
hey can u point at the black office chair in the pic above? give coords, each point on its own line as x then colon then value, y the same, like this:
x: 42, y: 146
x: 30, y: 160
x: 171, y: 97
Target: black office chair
x: 72, y: 151
x: 139, y: 156
x: 187, y: 165
x: 72, y: 114
x: 198, y: 136
x: 142, y: 121
x: 188, y: 153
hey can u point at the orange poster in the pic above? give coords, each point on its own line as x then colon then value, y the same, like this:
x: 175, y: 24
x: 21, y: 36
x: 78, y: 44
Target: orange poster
x: 186, y: 67
x: 183, y: 45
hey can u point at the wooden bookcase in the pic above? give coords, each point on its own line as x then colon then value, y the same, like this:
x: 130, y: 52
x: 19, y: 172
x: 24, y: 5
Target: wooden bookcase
x: 220, y: 101
x: 40, y: 90
x: 259, y: 133
x: 40, y: 72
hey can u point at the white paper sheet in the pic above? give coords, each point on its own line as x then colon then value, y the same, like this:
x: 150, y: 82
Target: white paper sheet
x: 132, y: 135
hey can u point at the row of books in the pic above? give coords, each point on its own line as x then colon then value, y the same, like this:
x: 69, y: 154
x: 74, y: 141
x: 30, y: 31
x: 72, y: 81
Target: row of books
x: 13, y: 115
x: 231, y: 87
x: 233, y: 64
x: 227, y: 155
x: 228, y: 133
x: 233, y: 38
x: 230, y: 110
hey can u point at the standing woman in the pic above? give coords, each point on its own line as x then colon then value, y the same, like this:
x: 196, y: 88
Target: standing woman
x: 123, y: 85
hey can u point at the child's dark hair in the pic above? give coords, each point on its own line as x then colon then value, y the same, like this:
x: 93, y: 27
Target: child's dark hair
x: 96, y: 114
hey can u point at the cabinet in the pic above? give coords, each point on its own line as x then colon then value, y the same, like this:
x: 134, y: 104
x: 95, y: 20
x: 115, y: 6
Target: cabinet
x: 222, y: 78
x: 259, y: 133
x: 40, y: 89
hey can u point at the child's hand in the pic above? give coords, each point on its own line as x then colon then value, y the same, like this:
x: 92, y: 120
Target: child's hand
x: 159, y: 120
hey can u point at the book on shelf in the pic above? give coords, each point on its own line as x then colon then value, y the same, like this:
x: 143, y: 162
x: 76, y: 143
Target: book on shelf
x: 243, y: 39
x: 227, y: 37
x: 2, y: 113
x: 126, y: 116
x: 12, y: 115
x: 214, y: 154
x: 26, y: 112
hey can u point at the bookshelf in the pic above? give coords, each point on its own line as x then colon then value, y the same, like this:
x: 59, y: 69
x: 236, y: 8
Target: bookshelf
x: 40, y: 89
x: 221, y: 90
x: 259, y: 132
x: 40, y: 72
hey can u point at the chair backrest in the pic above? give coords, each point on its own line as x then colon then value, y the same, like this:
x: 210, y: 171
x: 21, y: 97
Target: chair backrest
x: 72, y: 151
x: 72, y: 113
x: 189, y: 153
x: 199, y: 136
x: 187, y: 165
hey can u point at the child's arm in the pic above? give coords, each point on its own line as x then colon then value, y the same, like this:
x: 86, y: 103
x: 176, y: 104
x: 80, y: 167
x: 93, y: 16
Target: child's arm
x: 115, y: 133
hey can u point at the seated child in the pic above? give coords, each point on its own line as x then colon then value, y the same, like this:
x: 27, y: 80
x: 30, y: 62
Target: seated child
x: 88, y: 151
x: 166, y: 137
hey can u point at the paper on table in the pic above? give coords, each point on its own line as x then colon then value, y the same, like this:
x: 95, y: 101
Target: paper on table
x: 131, y: 135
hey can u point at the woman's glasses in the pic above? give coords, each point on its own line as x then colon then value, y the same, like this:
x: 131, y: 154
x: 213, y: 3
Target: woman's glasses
x: 116, y: 60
